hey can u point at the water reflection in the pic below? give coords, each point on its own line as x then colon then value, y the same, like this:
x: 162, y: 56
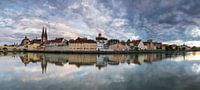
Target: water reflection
x: 100, y: 72
x: 100, y: 61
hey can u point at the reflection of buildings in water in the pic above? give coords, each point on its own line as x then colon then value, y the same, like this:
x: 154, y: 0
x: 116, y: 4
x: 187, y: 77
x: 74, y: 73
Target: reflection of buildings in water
x: 25, y: 59
x: 8, y: 53
x: 141, y: 58
x: 57, y: 59
x: 30, y: 57
x: 102, y: 61
x: 137, y: 58
x: 44, y: 59
x: 82, y: 59
x: 174, y: 55
x: 150, y: 58
x: 194, y: 53
x: 113, y: 63
x: 5, y: 53
x: 160, y: 56
x: 116, y: 59
x: 44, y: 65
x: 33, y: 57
x: 99, y: 61
x: 119, y: 58
x: 12, y: 54
x: 154, y: 57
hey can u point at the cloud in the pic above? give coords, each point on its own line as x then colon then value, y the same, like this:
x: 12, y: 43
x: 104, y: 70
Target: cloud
x: 158, y: 19
x: 195, y: 32
x: 181, y: 42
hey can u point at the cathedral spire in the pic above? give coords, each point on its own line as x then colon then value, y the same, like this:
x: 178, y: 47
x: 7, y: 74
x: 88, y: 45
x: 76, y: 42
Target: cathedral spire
x: 42, y: 36
x: 45, y: 35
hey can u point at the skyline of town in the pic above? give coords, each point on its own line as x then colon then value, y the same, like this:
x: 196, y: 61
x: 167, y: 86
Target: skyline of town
x: 101, y: 44
x: 45, y: 34
x: 51, y: 37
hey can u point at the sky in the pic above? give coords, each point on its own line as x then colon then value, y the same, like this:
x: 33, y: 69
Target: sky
x: 168, y: 21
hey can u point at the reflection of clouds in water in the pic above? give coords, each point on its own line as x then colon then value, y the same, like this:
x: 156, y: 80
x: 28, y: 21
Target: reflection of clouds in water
x: 53, y: 73
x: 196, y: 68
x: 166, y: 74
x: 16, y: 69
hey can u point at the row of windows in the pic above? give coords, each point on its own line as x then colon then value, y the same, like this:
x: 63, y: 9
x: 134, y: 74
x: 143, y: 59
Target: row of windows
x: 82, y: 45
x: 82, y: 48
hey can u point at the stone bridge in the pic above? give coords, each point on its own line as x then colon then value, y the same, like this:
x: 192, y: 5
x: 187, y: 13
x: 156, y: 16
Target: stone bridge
x: 9, y: 48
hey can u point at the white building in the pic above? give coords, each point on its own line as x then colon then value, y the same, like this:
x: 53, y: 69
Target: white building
x: 101, y: 43
x: 57, y: 42
x: 137, y: 45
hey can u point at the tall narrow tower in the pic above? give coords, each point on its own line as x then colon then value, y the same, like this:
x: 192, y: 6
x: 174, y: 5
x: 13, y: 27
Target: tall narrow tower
x: 44, y: 36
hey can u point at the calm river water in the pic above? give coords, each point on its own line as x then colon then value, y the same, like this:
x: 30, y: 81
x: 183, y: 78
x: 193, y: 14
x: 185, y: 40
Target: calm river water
x: 37, y: 71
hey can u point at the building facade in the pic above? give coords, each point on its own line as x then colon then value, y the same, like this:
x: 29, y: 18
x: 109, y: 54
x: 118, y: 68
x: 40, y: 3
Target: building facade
x: 101, y: 43
x: 149, y: 45
x: 118, y: 47
x: 136, y: 45
x: 57, y: 42
x: 25, y: 42
x: 82, y: 44
x: 158, y: 45
x: 113, y: 41
x: 34, y: 44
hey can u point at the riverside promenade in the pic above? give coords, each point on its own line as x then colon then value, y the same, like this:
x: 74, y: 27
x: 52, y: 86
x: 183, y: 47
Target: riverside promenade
x: 105, y: 52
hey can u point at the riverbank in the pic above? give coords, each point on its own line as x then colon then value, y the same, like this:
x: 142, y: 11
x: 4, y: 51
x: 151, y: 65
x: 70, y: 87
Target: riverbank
x: 102, y: 52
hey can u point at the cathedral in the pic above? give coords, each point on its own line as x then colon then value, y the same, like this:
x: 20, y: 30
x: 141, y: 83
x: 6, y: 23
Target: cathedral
x: 44, y: 40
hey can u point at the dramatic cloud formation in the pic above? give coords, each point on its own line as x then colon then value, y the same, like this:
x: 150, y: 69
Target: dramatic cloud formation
x: 161, y: 20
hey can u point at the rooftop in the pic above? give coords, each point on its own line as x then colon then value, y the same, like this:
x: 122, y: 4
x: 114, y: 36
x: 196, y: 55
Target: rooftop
x: 81, y: 40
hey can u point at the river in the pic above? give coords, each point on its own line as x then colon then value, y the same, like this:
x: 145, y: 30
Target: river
x: 154, y: 71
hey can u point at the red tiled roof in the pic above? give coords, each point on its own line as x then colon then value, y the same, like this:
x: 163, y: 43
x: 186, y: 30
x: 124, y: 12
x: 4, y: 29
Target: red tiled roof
x: 81, y: 40
x: 164, y: 45
x: 157, y: 43
x: 101, y: 38
x: 36, y: 41
x: 135, y: 42
x: 123, y: 42
x: 57, y: 40
x: 147, y: 43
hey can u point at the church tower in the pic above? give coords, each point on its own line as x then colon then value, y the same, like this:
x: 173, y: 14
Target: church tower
x: 44, y: 36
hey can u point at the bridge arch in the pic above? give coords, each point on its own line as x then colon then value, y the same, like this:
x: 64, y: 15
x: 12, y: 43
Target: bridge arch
x: 5, y: 49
